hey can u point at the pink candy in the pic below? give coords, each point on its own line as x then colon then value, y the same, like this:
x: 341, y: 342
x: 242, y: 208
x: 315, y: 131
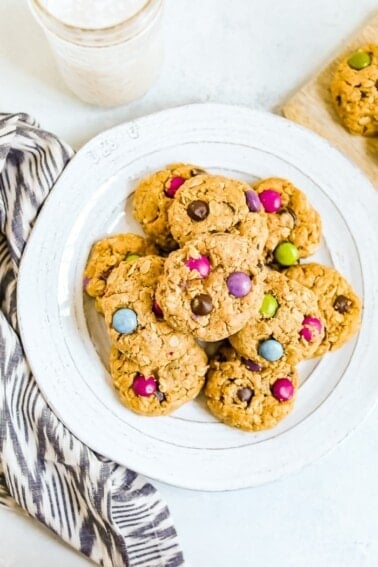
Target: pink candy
x: 283, y: 389
x: 86, y: 282
x: 311, y: 328
x: 175, y: 183
x: 143, y: 386
x: 201, y: 264
x: 271, y: 200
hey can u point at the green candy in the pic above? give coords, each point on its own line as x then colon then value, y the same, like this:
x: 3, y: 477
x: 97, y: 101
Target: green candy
x: 286, y: 254
x: 269, y: 306
x: 132, y: 257
x: 359, y: 60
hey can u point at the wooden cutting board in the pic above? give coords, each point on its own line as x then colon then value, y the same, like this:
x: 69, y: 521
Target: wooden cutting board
x: 312, y: 106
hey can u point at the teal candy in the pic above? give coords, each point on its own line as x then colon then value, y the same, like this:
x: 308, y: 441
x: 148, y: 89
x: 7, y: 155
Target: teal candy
x: 271, y: 350
x: 124, y: 321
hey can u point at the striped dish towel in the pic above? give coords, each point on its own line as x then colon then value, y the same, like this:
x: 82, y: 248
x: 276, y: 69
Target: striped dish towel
x: 108, y: 512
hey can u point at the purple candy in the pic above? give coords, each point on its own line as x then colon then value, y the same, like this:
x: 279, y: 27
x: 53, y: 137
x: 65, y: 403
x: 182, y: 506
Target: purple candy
x: 175, y: 183
x: 283, y: 389
x: 201, y: 264
x: 86, y: 282
x: 143, y: 386
x: 239, y: 284
x: 271, y: 200
x: 252, y: 366
x: 253, y: 201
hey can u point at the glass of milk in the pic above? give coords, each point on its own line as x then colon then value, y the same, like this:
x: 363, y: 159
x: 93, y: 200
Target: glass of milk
x: 109, y: 52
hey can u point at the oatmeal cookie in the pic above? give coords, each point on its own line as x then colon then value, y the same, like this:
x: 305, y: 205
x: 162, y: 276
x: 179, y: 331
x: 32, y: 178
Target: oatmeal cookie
x: 154, y: 196
x: 107, y: 254
x: 290, y: 216
x: 134, y: 320
x: 160, y: 387
x: 289, y: 316
x: 244, y: 397
x: 207, y: 204
x: 211, y: 286
x: 354, y: 91
x: 339, y: 305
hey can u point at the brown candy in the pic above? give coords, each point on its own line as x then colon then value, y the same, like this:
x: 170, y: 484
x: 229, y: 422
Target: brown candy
x: 201, y: 304
x: 198, y: 210
x: 197, y: 171
x: 342, y: 304
x: 245, y: 394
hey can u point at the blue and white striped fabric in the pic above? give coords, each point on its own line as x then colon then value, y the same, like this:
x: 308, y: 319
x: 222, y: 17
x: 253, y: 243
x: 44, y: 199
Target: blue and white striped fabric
x: 107, y: 512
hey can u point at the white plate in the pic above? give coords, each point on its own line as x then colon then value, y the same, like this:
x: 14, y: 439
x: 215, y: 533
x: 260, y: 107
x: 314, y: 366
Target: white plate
x: 65, y: 340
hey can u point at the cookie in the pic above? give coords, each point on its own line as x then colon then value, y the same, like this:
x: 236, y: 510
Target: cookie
x: 339, y: 305
x: 133, y: 318
x: 161, y: 386
x: 249, y: 399
x: 107, y: 254
x: 211, y: 286
x: 291, y: 217
x: 354, y: 91
x: 287, y: 327
x: 154, y: 196
x: 207, y: 204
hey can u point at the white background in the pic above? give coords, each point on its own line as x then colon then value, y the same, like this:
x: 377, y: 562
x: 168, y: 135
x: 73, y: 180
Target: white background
x: 251, y: 52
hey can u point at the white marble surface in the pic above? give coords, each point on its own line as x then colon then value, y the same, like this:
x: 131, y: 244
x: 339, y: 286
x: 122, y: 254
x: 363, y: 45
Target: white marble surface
x: 255, y: 53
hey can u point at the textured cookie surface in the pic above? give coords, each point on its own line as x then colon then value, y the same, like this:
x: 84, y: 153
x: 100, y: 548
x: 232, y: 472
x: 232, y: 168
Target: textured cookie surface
x: 177, y: 382
x: 294, y: 303
x: 243, y: 398
x: 339, y: 305
x: 204, y: 305
x: 132, y: 286
x: 154, y: 196
x: 207, y: 204
x: 107, y: 254
x: 355, y: 91
x: 296, y: 221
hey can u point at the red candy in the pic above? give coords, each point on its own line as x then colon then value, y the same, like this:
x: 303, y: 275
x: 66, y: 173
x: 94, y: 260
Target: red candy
x: 175, y: 183
x: 312, y: 327
x: 143, y: 386
x: 157, y: 309
x: 283, y: 389
x: 271, y: 200
x: 201, y: 264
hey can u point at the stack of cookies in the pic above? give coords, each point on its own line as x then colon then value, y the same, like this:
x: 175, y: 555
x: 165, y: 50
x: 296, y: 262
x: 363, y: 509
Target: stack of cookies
x: 220, y: 271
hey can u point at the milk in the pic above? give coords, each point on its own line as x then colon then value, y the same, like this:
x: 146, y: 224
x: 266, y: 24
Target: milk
x: 109, y: 52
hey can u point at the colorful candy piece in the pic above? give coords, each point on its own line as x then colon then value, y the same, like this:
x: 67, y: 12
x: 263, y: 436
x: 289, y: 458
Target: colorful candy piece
x: 157, y: 309
x: 359, y: 60
x: 86, y: 282
x: 201, y: 304
x: 124, y: 321
x: 245, y: 394
x: 144, y: 386
x: 175, y: 184
x: 131, y: 258
x: 239, y: 284
x: 271, y: 200
x: 253, y: 201
x: 312, y: 326
x: 283, y: 389
x: 201, y: 264
x: 198, y: 210
x: 251, y: 365
x: 269, y: 306
x: 271, y: 350
x: 286, y: 254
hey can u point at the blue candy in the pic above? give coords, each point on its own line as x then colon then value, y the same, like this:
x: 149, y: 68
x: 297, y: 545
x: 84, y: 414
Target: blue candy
x: 125, y: 321
x: 271, y: 350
